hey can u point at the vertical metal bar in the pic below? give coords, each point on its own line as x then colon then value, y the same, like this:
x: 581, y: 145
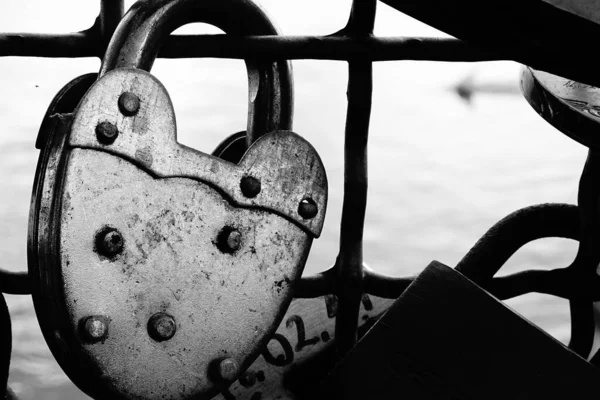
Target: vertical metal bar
x: 349, y: 263
x: 588, y: 255
x: 111, y: 12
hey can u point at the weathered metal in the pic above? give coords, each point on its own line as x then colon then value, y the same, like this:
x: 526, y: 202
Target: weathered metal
x: 301, y: 352
x: 168, y: 263
x: 149, y: 140
x: 169, y: 227
x: 131, y: 284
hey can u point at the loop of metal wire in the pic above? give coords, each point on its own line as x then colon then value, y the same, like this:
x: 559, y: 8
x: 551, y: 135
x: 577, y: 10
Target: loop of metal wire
x: 348, y: 278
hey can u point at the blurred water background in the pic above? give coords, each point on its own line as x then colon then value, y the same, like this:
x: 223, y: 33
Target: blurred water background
x: 442, y: 171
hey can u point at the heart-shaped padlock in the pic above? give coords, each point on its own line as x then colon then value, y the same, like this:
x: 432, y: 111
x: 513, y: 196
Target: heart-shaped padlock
x: 160, y: 271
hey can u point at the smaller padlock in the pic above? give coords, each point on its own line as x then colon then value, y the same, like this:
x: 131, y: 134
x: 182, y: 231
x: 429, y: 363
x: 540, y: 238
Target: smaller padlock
x: 446, y: 338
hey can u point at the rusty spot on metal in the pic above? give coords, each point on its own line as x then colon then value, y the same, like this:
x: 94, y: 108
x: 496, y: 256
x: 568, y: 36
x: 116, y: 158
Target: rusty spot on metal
x: 144, y: 156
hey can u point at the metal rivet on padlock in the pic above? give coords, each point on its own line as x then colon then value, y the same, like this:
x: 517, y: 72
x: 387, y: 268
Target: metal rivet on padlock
x: 250, y: 186
x: 195, y: 257
x: 109, y: 242
x: 95, y: 329
x: 228, y: 370
x: 129, y: 104
x: 308, y: 208
x: 161, y: 327
x: 106, y: 132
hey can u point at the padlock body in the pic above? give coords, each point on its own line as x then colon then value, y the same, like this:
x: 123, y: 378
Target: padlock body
x: 172, y: 263
x: 447, y: 338
x: 153, y: 263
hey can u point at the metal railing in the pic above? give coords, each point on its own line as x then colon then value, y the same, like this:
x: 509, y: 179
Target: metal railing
x: 348, y: 279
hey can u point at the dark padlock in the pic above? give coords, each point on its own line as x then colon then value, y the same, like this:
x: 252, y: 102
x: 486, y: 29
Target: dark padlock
x: 570, y: 106
x: 161, y: 271
x: 447, y: 338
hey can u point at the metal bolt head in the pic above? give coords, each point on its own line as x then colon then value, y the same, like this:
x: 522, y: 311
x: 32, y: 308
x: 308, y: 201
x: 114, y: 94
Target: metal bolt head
x: 129, y: 104
x: 106, y: 132
x: 161, y: 327
x: 228, y: 369
x: 308, y: 208
x: 95, y: 329
x: 250, y: 186
x: 109, y: 242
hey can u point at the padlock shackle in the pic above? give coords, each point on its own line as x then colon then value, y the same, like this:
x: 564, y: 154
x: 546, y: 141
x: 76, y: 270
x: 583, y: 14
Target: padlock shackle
x: 144, y: 29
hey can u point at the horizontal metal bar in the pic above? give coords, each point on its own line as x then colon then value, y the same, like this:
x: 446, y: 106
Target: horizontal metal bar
x: 15, y: 282
x: 343, y: 48
x: 72, y: 45
x: 385, y: 286
x: 317, y: 285
x: 85, y: 44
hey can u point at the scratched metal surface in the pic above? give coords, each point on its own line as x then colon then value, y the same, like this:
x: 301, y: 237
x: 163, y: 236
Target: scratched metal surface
x: 226, y: 303
x: 223, y: 304
x: 287, y: 167
x: 442, y: 171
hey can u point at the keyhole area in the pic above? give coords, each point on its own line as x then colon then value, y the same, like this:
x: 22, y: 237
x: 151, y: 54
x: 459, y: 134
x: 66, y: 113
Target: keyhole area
x: 210, y: 96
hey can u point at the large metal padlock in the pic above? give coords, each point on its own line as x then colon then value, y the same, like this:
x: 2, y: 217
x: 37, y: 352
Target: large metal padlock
x: 160, y: 272
x: 447, y: 338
